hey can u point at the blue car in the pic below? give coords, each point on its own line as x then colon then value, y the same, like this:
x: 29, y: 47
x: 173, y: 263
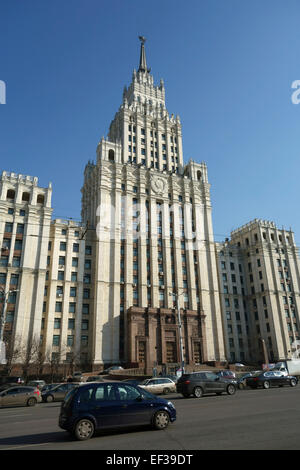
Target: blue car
x: 98, y: 406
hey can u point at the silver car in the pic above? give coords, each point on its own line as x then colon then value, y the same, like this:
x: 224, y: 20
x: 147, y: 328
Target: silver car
x: 20, y: 396
x: 158, y: 385
x: 37, y: 383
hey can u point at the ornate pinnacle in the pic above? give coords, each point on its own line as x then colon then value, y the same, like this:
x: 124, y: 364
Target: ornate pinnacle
x: 143, y: 63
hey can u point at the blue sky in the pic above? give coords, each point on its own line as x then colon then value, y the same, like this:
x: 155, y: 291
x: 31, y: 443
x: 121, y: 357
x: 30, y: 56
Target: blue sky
x: 228, y: 67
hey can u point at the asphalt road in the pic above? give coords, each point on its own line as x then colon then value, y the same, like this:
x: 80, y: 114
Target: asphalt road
x: 251, y: 419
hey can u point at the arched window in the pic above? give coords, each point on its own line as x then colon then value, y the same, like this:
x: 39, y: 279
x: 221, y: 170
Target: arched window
x: 10, y: 194
x: 111, y: 155
x: 40, y: 199
x: 25, y: 197
x: 199, y: 175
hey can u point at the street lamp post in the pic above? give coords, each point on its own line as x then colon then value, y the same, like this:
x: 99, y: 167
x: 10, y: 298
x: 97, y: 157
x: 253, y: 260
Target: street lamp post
x: 265, y: 352
x: 180, y: 332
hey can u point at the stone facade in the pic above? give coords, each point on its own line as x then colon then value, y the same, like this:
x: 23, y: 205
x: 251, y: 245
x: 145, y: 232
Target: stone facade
x: 106, y: 290
x: 265, y: 262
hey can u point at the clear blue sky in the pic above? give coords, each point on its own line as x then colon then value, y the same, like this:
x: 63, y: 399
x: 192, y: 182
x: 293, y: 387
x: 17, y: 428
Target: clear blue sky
x: 228, y: 66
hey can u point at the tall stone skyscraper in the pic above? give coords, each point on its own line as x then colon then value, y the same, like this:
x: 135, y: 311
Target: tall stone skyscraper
x: 106, y: 290
x: 149, y: 220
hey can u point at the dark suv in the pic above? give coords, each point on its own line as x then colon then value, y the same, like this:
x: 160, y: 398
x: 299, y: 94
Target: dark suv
x: 200, y: 383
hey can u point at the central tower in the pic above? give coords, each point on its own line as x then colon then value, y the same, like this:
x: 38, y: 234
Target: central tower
x: 149, y: 220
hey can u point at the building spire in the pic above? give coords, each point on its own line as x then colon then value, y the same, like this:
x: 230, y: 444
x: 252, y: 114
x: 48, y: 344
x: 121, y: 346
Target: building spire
x: 143, y: 63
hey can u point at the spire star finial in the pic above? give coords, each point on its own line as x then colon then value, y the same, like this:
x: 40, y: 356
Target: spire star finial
x: 143, y: 63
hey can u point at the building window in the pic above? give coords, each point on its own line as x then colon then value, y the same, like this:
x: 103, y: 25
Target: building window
x: 58, y: 306
x: 56, y: 340
x: 62, y: 246
x: 75, y: 262
x: 4, y: 261
x: 59, y: 291
x: 57, y: 323
x: 72, y: 307
x: 61, y: 261
x: 87, y: 264
x: 8, y: 227
x: 71, y: 324
x: 16, y: 261
x: 88, y: 250
x: 85, y: 309
x: 70, y: 340
x: 75, y: 247
x: 73, y: 291
x: 86, y: 293
x: 20, y: 228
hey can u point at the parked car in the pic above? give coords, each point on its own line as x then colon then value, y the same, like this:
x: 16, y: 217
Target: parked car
x: 201, y: 383
x: 271, y: 379
x: 6, y: 386
x: 107, y: 371
x: 133, y: 381
x: 94, y: 378
x: 241, y: 380
x: 226, y: 374
x: 36, y: 383
x: 20, y: 396
x: 170, y: 376
x: 49, y: 386
x: 158, y: 385
x: 92, y: 407
x: 77, y: 376
x: 58, y: 392
x: 11, y: 379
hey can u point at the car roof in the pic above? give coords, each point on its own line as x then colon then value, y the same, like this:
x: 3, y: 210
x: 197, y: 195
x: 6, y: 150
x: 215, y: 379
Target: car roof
x: 19, y: 386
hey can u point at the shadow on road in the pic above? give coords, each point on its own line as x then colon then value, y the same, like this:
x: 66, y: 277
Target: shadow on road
x: 31, y: 439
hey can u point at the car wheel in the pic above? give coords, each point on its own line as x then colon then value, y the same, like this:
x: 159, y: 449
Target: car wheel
x: 31, y: 402
x: 166, y: 390
x: 161, y: 420
x: 84, y: 430
x: 49, y: 398
x: 266, y: 384
x: 231, y: 389
x: 293, y: 383
x: 198, y: 392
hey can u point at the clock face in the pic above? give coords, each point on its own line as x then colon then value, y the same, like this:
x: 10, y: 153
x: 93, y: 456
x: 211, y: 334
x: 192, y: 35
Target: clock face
x: 158, y: 185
